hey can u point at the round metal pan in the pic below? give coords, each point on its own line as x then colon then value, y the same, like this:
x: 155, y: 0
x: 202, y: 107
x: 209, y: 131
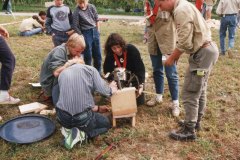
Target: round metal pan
x: 27, y: 129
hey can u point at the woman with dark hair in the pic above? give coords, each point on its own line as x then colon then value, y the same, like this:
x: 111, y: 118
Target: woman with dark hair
x: 122, y: 56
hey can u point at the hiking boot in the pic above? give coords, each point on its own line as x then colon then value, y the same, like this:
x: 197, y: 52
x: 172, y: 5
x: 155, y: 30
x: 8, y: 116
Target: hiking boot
x: 175, y: 109
x: 155, y: 100
x: 198, y: 127
x: 181, y: 123
x: 222, y: 54
x: 184, y: 134
x: 73, y: 136
x: 9, y: 100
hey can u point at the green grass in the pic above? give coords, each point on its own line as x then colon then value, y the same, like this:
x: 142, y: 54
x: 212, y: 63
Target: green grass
x: 220, y: 138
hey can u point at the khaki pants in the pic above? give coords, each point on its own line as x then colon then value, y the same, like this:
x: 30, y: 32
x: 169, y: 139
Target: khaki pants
x: 195, y: 83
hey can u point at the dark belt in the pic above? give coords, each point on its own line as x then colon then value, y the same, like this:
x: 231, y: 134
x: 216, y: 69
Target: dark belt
x: 81, y: 116
x: 224, y: 15
x: 59, y: 32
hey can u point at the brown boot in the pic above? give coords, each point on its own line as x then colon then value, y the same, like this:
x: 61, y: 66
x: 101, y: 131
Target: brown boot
x: 230, y: 55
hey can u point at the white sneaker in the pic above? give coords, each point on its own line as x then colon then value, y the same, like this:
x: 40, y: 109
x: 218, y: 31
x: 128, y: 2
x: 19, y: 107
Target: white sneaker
x: 153, y: 101
x: 175, y: 109
x: 9, y: 100
x: 65, y: 132
x: 72, y: 137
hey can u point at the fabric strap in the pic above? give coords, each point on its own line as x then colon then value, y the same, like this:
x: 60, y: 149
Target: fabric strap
x: 124, y: 62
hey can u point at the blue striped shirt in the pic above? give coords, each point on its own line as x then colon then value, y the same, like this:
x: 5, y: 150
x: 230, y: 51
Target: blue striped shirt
x: 77, y: 85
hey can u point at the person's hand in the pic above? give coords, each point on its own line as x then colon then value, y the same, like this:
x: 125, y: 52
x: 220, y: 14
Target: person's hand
x: 145, y: 38
x: 170, y: 61
x: 69, y: 33
x: 75, y: 60
x: 43, y: 28
x: 4, y: 32
x: 78, y: 60
x: 113, y: 86
x: 103, y: 108
x: 140, y: 90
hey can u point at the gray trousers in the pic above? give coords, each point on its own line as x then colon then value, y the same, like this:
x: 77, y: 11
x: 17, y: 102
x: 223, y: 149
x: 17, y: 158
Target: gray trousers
x: 195, y: 82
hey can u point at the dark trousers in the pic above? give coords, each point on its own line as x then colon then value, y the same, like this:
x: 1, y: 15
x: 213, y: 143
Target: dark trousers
x: 8, y: 64
x: 59, y: 37
x: 141, y: 99
x: 93, y: 48
x: 92, y: 123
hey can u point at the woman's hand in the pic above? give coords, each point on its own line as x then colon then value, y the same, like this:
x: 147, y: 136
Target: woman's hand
x: 140, y: 90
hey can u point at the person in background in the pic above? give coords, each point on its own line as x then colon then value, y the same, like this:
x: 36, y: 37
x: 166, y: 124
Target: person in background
x: 42, y: 18
x: 59, y: 22
x: 238, y: 19
x: 77, y: 113
x: 60, y: 58
x: 209, y: 7
x: 194, y: 38
x: 31, y: 26
x: 7, y: 60
x: 125, y: 56
x: 161, y: 42
x: 228, y: 11
x: 7, y: 6
x: 85, y: 21
x: 201, y: 6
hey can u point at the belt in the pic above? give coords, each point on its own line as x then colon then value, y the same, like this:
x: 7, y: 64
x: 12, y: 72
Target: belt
x: 59, y: 32
x: 83, y: 115
x: 234, y: 14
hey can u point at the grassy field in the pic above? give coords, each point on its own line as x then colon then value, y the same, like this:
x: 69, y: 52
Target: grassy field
x: 220, y: 138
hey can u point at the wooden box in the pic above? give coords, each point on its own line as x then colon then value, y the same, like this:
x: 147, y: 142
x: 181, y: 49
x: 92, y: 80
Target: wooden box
x: 124, y: 102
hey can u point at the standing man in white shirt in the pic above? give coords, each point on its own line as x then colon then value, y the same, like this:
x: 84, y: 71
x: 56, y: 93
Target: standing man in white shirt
x: 228, y: 10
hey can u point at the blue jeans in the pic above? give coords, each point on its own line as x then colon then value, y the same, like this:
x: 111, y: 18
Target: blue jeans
x: 7, y: 60
x: 9, y: 6
x: 227, y: 23
x: 93, y: 48
x: 158, y: 76
x: 55, y: 94
x: 92, y: 123
x: 59, y: 37
x: 31, y: 32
